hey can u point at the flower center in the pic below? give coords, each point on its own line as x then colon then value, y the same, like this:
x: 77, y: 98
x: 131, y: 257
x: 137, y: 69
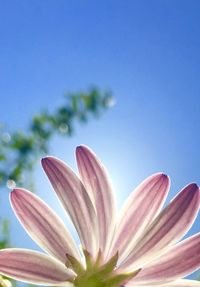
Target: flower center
x: 97, y: 274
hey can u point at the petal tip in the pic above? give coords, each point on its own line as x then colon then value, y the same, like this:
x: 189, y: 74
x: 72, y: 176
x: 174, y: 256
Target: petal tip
x: 14, y: 191
x: 81, y: 148
x: 17, y: 192
x: 46, y: 161
x: 195, y: 185
x: 163, y: 177
x: 166, y: 178
x: 13, y: 195
x: 192, y: 187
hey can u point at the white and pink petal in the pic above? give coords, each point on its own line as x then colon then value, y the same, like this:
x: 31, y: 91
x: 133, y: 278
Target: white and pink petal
x: 139, y: 210
x: 75, y: 200
x: 179, y: 261
x: 33, y: 267
x: 168, y: 228
x: 43, y: 225
x: 96, y: 182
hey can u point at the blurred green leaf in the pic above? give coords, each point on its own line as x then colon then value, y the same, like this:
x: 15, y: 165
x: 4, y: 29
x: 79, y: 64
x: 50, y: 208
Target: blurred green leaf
x: 19, y: 150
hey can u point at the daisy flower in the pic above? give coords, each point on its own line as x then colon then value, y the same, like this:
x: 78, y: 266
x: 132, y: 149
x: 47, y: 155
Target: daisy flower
x: 138, y: 246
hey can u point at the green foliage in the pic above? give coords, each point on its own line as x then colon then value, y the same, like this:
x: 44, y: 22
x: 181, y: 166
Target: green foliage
x: 20, y: 150
x: 4, y: 240
x: 4, y: 233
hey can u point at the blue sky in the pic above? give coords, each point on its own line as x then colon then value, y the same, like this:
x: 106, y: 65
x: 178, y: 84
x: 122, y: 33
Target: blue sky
x: 146, y: 52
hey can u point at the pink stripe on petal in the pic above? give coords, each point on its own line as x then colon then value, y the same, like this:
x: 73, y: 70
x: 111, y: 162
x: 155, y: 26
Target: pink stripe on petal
x: 34, y: 267
x: 43, y: 225
x: 96, y: 182
x: 169, y: 227
x: 181, y: 260
x: 75, y: 200
x: 138, y: 212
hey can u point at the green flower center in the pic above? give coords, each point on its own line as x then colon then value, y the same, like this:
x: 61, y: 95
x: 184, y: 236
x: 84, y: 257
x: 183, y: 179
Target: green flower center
x: 97, y: 274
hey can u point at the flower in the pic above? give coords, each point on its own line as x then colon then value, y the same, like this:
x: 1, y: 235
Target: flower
x: 140, y: 247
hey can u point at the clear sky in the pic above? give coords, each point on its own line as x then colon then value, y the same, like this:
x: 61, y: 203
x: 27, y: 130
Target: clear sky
x: 147, y: 52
